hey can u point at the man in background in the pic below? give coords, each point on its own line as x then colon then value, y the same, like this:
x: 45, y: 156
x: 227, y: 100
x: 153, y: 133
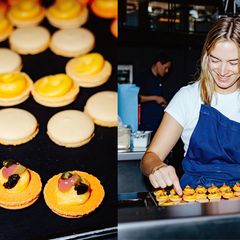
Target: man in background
x: 150, y: 94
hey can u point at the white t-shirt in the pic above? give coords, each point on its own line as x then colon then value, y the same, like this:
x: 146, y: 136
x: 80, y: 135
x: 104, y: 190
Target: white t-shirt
x: 185, y: 108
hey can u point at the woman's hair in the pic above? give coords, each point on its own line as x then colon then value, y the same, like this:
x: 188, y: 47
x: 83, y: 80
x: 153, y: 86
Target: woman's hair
x: 227, y: 28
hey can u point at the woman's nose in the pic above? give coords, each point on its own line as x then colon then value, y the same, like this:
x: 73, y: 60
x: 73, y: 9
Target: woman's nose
x: 222, y: 70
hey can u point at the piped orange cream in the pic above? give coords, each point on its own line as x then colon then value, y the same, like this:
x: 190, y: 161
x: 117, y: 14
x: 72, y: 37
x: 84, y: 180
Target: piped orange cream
x: 89, y: 64
x: 54, y: 85
x: 64, y: 10
x: 12, y: 84
x: 5, y: 25
x: 26, y: 9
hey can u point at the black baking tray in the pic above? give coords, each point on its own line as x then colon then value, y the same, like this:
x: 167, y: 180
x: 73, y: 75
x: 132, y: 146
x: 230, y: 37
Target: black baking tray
x: 98, y: 157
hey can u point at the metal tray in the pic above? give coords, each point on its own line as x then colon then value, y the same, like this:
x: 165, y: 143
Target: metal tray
x: 45, y: 157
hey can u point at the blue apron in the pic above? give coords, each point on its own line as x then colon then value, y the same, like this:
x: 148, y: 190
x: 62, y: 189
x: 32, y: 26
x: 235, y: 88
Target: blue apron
x: 213, y: 155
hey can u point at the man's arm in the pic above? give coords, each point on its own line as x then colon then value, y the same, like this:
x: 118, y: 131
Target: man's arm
x: 158, y: 99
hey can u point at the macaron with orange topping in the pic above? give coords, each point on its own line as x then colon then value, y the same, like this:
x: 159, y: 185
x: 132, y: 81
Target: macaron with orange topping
x: 30, y: 40
x: 214, y: 196
x: 15, y: 88
x: 6, y: 28
x: 26, y: 13
x: 20, y: 187
x: 70, y: 128
x: 73, y: 194
x: 162, y: 197
x: 10, y: 61
x: 67, y: 14
x: 200, y: 189
x: 213, y: 189
x: 72, y: 42
x: 17, y: 126
x: 105, y: 8
x: 236, y: 187
x: 159, y: 191
x: 14, y: 2
x: 224, y: 188
x: 228, y: 194
x: 55, y: 90
x: 90, y: 70
x: 102, y: 108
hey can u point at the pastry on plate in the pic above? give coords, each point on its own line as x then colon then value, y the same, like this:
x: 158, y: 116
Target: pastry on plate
x: 105, y: 8
x: 30, y: 40
x: 26, y: 13
x: 10, y: 61
x: 17, y: 126
x: 166, y: 203
x: 236, y: 187
x: 102, y: 108
x: 55, y: 90
x: 214, y: 196
x: 70, y: 128
x: 90, y: 70
x: 72, y: 42
x: 67, y: 14
x: 213, y: 189
x: 190, y: 197
x: 15, y: 88
x: 228, y: 194
x: 6, y: 28
x: 200, y: 189
x: 162, y: 197
x: 159, y: 191
x: 224, y: 188
x: 188, y: 190
x: 20, y: 187
x: 73, y: 194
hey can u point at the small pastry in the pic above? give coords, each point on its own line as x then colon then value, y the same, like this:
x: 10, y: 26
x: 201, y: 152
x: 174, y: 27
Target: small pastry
x: 70, y: 128
x: 10, y: 61
x: 17, y: 126
x: 228, y: 194
x: 166, y: 203
x: 236, y: 187
x: 188, y: 190
x: 114, y: 28
x: 72, y: 42
x: 6, y: 28
x: 200, y: 189
x: 237, y: 194
x: 214, y: 196
x: 213, y: 189
x: 175, y: 198
x: 90, y: 70
x: 159, y: 191
x: 55, y: 90
x: 73, y: 194
x: 189, y: 198
x: 30, y: 40
x: 201, y: 197
x: 67, y: 14
x: 162, y: 197
x: 224, y: 188
x: 102, y: 108
x: 14, y: 88
x: 20, y: 187
x: 26, y: 13
x: 105, y: 9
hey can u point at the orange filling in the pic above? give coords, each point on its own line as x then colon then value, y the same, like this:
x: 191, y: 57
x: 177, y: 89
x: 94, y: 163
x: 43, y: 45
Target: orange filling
x: 12, y: 84
x: 64, y: 10
x: 4, y: 24
x: 26, y: 9
x: 114, y: 27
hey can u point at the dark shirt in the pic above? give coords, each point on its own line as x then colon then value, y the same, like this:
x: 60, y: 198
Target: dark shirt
x: 151, y: 112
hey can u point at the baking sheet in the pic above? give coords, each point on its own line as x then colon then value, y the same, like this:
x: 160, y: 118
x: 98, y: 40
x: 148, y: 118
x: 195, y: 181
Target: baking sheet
x: 45, y: 157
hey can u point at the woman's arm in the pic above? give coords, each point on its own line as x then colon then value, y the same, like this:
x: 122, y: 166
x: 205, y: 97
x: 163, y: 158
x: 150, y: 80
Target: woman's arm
x: 167, y: 135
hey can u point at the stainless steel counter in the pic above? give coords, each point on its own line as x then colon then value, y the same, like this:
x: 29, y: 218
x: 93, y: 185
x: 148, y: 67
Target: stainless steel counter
x: 130, y: 155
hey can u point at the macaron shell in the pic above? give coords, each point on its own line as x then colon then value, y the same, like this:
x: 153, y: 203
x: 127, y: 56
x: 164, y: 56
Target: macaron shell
x: 17, y: 126
x: 102, y: 108
x: 24, y: 198
x: 70, y: 128
x: 95, y: 199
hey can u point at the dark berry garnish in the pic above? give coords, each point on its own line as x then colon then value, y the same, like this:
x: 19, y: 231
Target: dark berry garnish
x: 81, y: 188
x: 7, y: 163
x: 12, y: 181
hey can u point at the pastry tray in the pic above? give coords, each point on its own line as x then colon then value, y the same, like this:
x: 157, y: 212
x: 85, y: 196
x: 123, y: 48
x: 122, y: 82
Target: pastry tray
x: 98, y: 157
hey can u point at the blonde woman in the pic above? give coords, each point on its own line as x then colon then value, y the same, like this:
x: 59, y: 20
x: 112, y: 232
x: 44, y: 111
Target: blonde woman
x: 206, y: 115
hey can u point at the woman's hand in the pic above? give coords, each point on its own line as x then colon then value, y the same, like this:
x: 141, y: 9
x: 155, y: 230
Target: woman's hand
x: 165, y: 176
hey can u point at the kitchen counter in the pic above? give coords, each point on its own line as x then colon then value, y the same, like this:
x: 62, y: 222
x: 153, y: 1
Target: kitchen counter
x: 130, y: 154
x: 216, y: 220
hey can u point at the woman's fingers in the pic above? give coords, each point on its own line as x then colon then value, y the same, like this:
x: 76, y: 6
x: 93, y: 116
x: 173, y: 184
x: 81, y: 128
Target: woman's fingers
x: 165, y: 176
